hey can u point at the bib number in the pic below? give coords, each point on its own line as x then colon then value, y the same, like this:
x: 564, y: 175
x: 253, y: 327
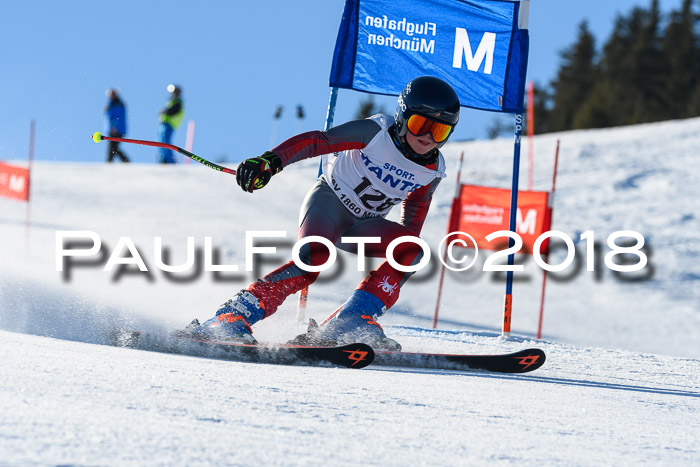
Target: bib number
x: 372, y: 198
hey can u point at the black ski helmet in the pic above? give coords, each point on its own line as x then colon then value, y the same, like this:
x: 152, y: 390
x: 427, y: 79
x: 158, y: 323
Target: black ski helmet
x: 428, y: 96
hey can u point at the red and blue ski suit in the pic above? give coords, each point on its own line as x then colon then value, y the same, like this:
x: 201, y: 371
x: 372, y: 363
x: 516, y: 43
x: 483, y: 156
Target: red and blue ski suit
x: 364, y: 175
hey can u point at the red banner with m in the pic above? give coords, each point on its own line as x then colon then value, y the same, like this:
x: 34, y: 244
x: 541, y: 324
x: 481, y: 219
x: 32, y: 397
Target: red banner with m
x: 480, y: 211
x: 14, y: 182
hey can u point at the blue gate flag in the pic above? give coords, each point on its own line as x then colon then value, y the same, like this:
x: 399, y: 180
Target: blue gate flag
x: 480, y: 47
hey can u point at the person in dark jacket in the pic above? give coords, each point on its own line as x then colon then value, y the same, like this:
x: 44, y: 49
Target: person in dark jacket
x: 115, y: 112
x: 170, y: 119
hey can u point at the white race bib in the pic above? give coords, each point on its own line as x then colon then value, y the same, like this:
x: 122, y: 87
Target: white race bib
x: 370, y: 181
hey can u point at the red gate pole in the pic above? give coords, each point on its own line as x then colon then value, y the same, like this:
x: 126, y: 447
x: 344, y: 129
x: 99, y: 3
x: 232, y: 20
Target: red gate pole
x: 455, y: 200
x: 530, y: 133
x: 189, y: 140
x: 546, y: 255
x: 27, y: 220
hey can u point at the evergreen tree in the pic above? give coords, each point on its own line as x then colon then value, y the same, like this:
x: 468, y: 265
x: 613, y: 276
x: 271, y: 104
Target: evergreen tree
x: 682, y: 52
x: 693, y: 108
x: 500, y: 126
x: 597, y: 112
x: 575, y: 79
x: 543, y: 104
x: 648, y: 70
x: 368, y: 108
x: 618, y: 90
x: 631, y: 82
x: 651, y: 71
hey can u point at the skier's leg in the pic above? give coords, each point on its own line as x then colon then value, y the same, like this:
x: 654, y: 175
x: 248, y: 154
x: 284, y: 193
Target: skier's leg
x: 355, y: 320
x: 385, y: 282
x: 323, y: 215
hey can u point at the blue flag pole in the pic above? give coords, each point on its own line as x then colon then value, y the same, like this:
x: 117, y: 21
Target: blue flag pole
x: 330, y: 114
x: 480, y: 47
x: 508, y: 301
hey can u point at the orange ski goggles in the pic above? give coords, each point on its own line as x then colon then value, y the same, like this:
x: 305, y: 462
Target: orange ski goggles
x: 419, y: 125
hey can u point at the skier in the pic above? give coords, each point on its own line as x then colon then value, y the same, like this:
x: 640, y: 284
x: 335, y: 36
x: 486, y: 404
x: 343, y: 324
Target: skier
x: 370, y: 166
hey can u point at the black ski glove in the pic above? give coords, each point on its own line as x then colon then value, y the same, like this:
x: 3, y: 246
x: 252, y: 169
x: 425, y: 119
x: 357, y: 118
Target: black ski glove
x: 253, y: 174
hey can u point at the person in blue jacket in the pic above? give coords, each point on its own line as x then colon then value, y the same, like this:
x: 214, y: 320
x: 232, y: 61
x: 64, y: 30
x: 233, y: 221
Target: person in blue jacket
x: 170, y: 119
x: 115, y: 112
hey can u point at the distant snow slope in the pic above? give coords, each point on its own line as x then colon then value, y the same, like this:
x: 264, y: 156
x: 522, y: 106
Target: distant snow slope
x: 66, y: 400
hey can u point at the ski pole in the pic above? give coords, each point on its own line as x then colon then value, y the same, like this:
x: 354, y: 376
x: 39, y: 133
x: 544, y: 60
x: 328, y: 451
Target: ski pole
x: 97, y: 137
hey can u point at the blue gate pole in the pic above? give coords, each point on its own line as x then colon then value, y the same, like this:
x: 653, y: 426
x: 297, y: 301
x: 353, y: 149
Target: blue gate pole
x: 330, y: 114
x: 331, y: 109
x: 508, y: 301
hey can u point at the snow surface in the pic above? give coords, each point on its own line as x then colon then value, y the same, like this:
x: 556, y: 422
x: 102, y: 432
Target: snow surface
x: 620, y: 385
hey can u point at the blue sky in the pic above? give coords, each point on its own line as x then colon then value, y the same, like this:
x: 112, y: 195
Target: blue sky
x: 236, y: 62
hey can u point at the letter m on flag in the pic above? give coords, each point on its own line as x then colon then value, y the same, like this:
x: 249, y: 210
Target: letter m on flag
x: 463, y: 48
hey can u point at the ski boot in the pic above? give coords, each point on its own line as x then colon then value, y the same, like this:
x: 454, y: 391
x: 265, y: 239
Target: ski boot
x: 354, y: 322
x: 233, y: 320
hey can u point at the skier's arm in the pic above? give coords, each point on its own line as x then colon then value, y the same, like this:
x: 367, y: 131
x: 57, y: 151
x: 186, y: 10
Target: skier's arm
x: 351, y: 135
x: 253, y: 174
x: 414, y: 208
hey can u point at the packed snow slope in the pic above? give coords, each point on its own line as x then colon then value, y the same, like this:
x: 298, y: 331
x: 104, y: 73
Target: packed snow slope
x: 621, y: 378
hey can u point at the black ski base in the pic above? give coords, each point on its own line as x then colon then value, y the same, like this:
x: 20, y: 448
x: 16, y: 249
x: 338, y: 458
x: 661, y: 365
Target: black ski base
x: 518, y: 362
x: 351, y: 356
x: 357, y: 355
